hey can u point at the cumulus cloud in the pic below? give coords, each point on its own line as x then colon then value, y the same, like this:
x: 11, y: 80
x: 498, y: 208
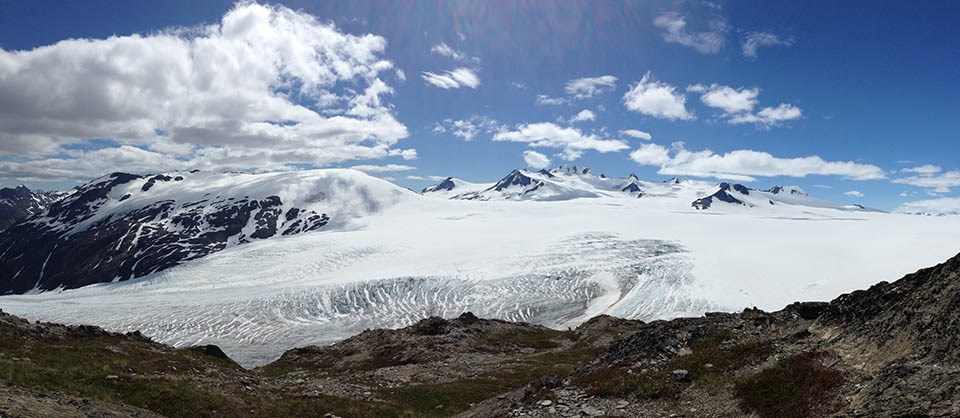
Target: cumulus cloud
x: 460, y: 77
x: 536, y: 160
x: 737, y: 104
x: 586, y: 87
x: 769, y: 116
x: 545, y: 100
x: 755, y: 40
x: 745, y: 165
x: 854, y: 193
x: 657, y: 99
x: 726, y: 98
x: 387, y: 168
x: 468, y: 128
x: 637, y: 134
x: 674, y: 28
x: 417, y: 178
x: 926, y: 170
x: 571, y: 141
x: 940, y: 206
x: 402, y: 76
x: 931, y: 178
x: 265, y: 88
x: 585, y: 115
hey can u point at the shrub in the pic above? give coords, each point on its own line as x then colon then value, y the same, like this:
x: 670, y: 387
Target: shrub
x: 799, y: 386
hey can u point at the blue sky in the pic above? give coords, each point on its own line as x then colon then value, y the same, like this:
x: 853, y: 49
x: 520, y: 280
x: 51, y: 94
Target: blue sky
x: 853, y: 101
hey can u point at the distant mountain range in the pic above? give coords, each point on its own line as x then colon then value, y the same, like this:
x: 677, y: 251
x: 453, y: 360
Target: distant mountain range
x: 572, y: 182
x: 123, y: 226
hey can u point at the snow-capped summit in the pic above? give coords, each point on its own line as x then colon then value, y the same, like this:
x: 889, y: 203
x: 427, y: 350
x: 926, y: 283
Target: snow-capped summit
x: 561, y: 183
x: 447, y: 184
x: 793, y: 190
x: 570, y: 169
x: 20, y: 202
x: 121, y: 226
x: 726, y: 192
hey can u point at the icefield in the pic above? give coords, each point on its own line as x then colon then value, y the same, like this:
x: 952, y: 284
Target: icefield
x: 555, y: 263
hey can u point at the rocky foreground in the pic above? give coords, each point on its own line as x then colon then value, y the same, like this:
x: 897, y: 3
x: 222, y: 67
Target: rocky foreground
x: 890, y: 351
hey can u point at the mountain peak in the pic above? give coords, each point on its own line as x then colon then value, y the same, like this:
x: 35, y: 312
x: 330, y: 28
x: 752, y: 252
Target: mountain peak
x: 570, y: 169
x: 446, y: 184
x: 793, y: 190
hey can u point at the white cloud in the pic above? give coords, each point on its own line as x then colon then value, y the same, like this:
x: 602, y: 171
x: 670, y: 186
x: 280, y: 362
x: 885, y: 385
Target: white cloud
x: 447, y: 51
x: 637, y: 134
x: 651, y: 154
x: 657, y: 99
x: 935, y: 181
x: 387, y: 168
x: 744, y: 165
x: 536, y: 160
x: 943, y: 205
x: 585, y: 115
x: 84, y: 165
x: 926, y: 170
x: 460, y: 77
x: 586, y: 87
x: 417, y: 178
x: 737, y: 105
x: 544, y: 100
x: 571, y: 140
x: 726, y: 98
x: 769, y: 116
x: 854, y: 193
x: 266, y: 88
x: 675, y: 31
x: 437, y: 178
x: 467, y: 129
x: 402, y: 76
x: 755, y: 40
x: 518, y: 85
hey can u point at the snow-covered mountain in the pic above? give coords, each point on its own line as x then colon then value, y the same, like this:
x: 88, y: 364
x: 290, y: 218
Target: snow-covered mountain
x: 561, y: 183
x: 212, y: 264
x: 123, y: 226
x: 572, y: 182
x: 20, y: 202
x: 452, y: 186
x: 727, y: 194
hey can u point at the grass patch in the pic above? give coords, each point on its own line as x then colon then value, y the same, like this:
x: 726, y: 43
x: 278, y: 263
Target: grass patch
x: 534, y: 338
x: 622, y: 381
x: 443, y: 400
x: 711, y: 360
x: 797, y: 387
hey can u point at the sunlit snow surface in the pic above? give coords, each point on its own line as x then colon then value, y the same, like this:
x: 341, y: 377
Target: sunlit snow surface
x: 553, y: 263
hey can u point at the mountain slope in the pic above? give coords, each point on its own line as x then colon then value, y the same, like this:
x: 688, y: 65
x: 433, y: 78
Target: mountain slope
x: 123, y: 226
x: 20, y: 202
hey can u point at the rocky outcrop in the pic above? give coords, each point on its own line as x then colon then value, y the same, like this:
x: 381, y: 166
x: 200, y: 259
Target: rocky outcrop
x: 726, y: 193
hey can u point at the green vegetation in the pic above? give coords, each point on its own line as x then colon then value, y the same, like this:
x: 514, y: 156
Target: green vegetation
x: 799, y: 386
x: 706, y: 366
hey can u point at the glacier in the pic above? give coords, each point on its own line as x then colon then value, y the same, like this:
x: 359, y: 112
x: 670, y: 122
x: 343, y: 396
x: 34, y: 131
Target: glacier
x: 554, y: 262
